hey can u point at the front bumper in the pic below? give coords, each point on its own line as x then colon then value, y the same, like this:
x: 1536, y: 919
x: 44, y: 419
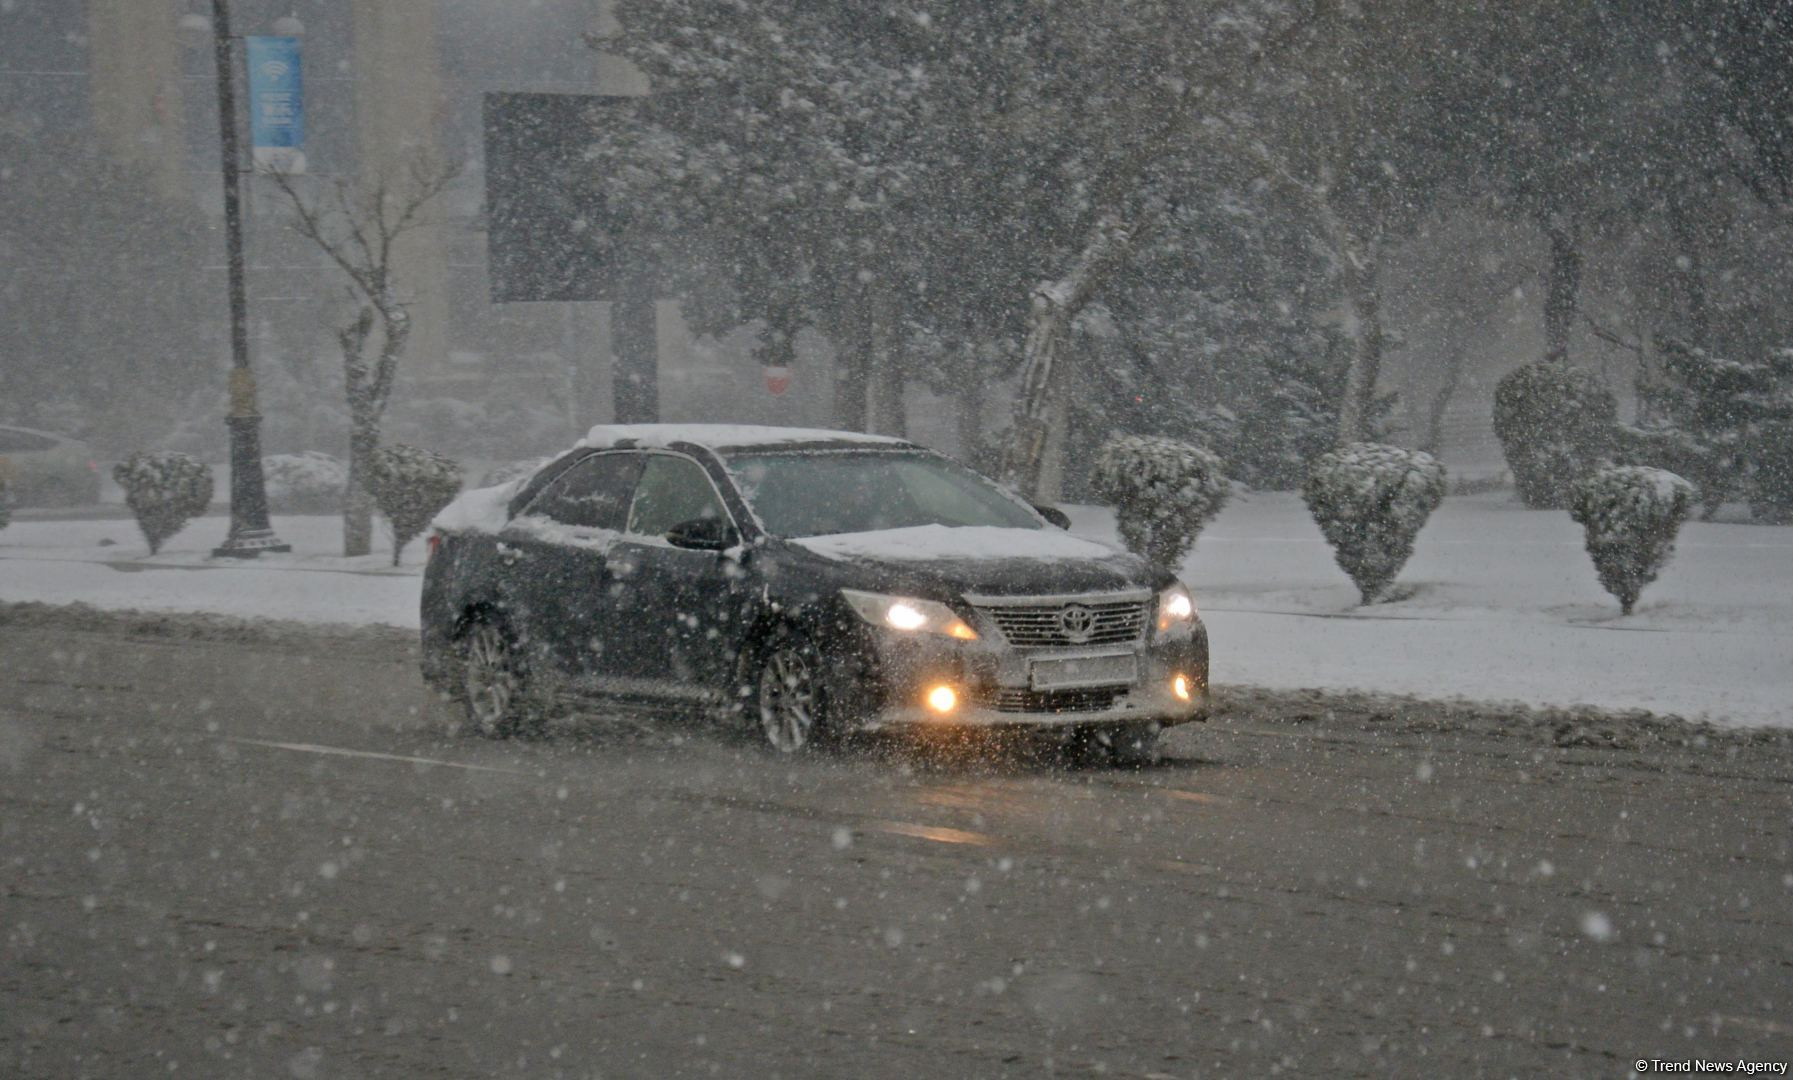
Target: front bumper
x: 991, y: 681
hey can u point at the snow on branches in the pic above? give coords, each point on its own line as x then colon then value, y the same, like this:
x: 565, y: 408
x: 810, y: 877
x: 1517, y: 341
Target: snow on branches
x: 164, y: 492
x: 411, y: 485
x: 1554, y: 423
x: 1630, y: 515
x: 1370, y: 501
x: 1163, y: 492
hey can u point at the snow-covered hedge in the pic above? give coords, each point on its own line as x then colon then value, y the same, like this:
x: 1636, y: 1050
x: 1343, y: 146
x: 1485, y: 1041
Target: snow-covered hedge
x: 1630, y: 514
x: 1555, y: 424
x: 164, y: 491
x: 410, y: 485
x: 1163, y: 492
x: 1370, y: 501
x: 308, y: 482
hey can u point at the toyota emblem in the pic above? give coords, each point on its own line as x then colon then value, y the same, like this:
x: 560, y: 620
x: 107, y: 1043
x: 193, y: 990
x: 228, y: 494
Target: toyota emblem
x: 1076, y: 621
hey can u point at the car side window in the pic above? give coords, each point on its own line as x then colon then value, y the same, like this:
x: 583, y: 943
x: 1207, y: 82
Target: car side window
x: 594, y: 494
x: 672, y: 491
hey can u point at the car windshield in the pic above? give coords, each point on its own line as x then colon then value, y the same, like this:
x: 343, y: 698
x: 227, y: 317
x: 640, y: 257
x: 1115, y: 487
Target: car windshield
x: 817, y: 493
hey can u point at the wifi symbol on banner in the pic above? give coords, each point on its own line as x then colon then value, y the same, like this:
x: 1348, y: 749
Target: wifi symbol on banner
x: 275, y: 69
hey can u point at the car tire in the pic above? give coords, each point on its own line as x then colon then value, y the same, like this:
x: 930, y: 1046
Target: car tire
x: 1126, y: 746
x: 787, y: 696
x: 495, y: 682
x: 1134, y: 746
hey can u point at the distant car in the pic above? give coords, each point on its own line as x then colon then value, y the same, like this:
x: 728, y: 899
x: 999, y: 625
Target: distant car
x: 38, y: 468
x: 819, y: 582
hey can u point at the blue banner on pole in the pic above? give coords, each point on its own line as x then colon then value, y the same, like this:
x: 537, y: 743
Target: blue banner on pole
x: 276, y: 104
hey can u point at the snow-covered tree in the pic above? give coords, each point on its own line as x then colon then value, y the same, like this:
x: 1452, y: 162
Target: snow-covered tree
x: 360, y: 228
x: 1555, y: 422
x: 1370, y: 501
x: 1163, y: 493
x: 905, y: 178
x: 164, y: 492
x: 1630, y: 515
x: 411, y: 485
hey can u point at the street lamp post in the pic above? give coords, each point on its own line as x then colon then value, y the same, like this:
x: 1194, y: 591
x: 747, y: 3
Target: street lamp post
x: 250, y: 534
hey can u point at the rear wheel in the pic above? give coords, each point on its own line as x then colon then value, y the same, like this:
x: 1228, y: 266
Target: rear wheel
x: 788, y: 693
x: 494, y: 682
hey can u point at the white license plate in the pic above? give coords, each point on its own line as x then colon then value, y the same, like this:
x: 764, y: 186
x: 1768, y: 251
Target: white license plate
x: 1084, y: 671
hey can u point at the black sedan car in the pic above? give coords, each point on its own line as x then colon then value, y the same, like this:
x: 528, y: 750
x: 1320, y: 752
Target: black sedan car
x: 811, y: 582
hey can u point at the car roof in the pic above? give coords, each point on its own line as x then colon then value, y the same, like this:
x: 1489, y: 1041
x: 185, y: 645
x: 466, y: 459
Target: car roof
x: 38, y: 431
x: 722, y: 437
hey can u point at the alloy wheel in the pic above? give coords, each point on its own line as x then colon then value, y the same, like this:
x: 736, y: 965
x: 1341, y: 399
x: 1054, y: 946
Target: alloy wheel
x: 492, y: 682
x: 788, y: 698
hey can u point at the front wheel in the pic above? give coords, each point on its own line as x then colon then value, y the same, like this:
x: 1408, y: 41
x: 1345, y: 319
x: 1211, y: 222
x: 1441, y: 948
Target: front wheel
x: 494, y: 682
x: 788, y: 693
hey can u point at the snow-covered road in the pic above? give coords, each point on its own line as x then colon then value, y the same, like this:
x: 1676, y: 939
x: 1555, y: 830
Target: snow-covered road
x: 1498, y: 603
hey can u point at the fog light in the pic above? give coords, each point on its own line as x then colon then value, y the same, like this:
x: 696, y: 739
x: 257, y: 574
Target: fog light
x: 943, y: 699
x: 1180, y: 687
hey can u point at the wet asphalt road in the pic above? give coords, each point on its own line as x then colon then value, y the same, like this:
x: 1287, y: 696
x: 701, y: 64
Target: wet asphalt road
x: 243, y: 856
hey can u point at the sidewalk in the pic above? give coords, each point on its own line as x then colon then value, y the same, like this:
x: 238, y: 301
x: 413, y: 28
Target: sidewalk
x: 1500, y: 604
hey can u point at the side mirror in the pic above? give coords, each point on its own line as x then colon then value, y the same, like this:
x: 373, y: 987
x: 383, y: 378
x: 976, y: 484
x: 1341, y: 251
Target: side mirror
x: 702, y: 534
x: 1054, y: 515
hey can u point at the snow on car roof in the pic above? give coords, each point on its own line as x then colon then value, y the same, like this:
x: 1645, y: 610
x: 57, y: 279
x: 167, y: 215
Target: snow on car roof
x: 732, y: 436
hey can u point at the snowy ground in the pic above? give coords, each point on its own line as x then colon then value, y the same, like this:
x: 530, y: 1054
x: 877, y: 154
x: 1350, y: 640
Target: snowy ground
x: 1499, y: 603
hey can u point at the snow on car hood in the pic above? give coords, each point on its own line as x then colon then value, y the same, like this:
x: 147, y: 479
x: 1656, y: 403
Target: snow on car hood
x: 662, y: 435
x: 922, y: 543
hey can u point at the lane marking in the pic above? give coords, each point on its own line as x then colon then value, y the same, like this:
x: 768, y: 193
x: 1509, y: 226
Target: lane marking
x: 1196, y: 796
x: 937, y: 833
x: 339, y: 751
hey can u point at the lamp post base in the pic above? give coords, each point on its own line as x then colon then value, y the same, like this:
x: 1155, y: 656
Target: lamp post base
x: 250, y: 533
x: 250, y: 543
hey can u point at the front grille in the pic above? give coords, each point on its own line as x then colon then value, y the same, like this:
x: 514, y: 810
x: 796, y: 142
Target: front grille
x: 1114, y: 623
x: 1019, y: 700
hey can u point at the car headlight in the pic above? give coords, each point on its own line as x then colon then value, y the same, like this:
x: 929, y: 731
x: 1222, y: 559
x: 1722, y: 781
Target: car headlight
x: 908, y: 614
x: 1176, y: 611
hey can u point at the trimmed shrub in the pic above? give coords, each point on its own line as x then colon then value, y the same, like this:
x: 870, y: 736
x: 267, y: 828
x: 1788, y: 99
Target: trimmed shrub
x: 410, y: 485
x: 1554, y: 423
x: 308, y: 482
x: 1163, y: 493
x: 164, y: 492
x: 1370, y: 501
x: 1630, y: 514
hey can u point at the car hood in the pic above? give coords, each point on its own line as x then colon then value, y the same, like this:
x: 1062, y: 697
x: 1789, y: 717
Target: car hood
x: 936, y: 559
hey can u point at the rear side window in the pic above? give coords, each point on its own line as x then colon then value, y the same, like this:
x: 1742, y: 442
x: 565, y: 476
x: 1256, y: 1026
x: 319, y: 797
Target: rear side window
x: 593, y: 494
x: 23, y: 442
x: 673, y: 490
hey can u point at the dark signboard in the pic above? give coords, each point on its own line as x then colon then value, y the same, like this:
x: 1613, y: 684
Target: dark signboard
x: 550, y: 235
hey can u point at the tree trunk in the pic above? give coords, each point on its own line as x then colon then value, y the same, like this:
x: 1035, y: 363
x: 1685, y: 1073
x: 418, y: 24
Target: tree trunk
x: 1433, y: 442
x: 1040, y: 411
x: 357, y: 502
x: 1689, y: 280
x: 886, y: 378
x: 850, y: 389
x: 968, y: 408
x: 1364, y: 294
x: 1562, y: 290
